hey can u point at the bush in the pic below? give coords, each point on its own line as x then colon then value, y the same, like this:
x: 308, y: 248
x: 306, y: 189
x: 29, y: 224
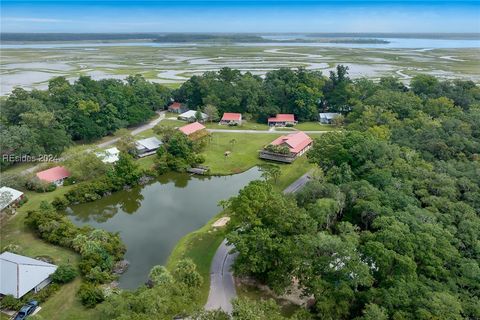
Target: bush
x: 90, y: 295
x: 69, y: 181
x: 64, y: 273
x: 44, y: 294
x: 10, y: 303
x: 60, y: 203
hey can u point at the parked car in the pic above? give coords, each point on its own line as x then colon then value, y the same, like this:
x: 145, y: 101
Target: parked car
x: 26, y: 310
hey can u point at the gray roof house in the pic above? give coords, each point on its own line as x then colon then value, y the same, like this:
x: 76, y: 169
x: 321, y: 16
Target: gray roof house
x: 19, y: 274
x: 327, y: 117
x: 147, y: 146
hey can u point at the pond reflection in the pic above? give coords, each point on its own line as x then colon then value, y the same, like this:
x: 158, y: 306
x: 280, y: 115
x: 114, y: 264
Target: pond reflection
x: 151, y: 219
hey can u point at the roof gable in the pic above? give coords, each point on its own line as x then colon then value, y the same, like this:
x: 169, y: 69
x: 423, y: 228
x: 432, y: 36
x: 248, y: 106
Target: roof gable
x: 20, y: 274
x: 149, y: 143
x: 296, y: 141
x: 53, y: 174
x: 191, y: 128
x: 229, y: 116
x: 282, y: 117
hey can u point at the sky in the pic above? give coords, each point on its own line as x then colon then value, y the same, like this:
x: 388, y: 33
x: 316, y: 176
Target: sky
x: 240, y: 16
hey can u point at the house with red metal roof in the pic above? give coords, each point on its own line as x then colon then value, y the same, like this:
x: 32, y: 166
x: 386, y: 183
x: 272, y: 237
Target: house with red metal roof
x: 54, y: 175
x: 230, y: 118
x: 282, y: 120
x: 194, y: 130
x: 177, y: 107
x: 287, y: 148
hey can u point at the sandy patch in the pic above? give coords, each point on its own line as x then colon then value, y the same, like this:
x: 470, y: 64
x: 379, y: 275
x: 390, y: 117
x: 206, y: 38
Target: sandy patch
x: 221, y: 222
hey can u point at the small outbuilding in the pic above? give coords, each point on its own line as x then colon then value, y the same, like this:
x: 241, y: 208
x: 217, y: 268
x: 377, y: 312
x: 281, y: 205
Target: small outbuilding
x: 282, y: 120
x: 327, y: 117
x: 190, y: 116
x: 9, y: 197
x: 55, y: 175
x: 287, y: 148
x: 109, y: 155
x: 177, y: 107
x: 230, y: 118
x: 194, y: 130
x: 148, y: 146
x: 19, y: 274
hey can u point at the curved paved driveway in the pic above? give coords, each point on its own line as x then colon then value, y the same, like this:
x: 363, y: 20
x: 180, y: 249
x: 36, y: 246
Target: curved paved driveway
x: 222, y: 285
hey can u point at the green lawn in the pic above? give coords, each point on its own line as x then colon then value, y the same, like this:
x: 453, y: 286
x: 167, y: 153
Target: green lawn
x: 65, y: 305
x: 172, y: 123
x: 315, y: 126
x: 244, y: 126
x: 244, y: 151
x: 200, y: 246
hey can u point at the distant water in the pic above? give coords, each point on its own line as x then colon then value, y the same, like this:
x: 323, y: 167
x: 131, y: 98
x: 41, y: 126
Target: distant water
x: 394, y: 43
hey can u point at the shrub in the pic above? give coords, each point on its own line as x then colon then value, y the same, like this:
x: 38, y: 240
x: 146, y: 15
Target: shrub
x: 69, y: 181
x: 90, y: 295
x: 13, y: 248
x: 186, y: 272
x: 10, y: 303
x: 64, y: 273
x: 60, y: 203
x: 45, y: 293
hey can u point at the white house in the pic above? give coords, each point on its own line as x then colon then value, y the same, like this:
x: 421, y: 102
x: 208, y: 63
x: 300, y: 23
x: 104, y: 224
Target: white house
x: 109, y: 155
x: 327, y: 117
x: 190, y: 116
x: 147, y: 146
x: 9, y: 196
x: 19, y: 274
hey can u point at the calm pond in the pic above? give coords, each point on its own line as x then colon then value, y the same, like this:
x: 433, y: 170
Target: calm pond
x: 151, y: 219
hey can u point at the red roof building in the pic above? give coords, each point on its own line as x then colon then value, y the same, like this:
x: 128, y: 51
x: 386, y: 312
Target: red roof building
x: 192, y: 128
x: 54, y: 175
x: 282, y: 119
x: 176, y: 107
x: 297, y: 144
x: 231, y: 118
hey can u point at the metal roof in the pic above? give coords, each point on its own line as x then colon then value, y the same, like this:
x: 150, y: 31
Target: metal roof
x: 8, y: 196
x: 20, y: 274
x: 149, y: 143
x: 328, y: 115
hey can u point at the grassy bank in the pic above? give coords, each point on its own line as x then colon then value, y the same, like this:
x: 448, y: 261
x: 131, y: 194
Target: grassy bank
x: 200, y: 246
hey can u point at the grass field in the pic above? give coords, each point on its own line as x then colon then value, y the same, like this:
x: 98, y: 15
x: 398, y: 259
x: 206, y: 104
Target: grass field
x: 243, y: 147
x: 244, y: 126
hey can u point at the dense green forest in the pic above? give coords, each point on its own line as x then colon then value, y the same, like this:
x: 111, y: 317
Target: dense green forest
x: 47, y: 121
x: 389, y: 226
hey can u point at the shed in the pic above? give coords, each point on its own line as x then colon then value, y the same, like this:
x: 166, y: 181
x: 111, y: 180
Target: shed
x: 20, y: 274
